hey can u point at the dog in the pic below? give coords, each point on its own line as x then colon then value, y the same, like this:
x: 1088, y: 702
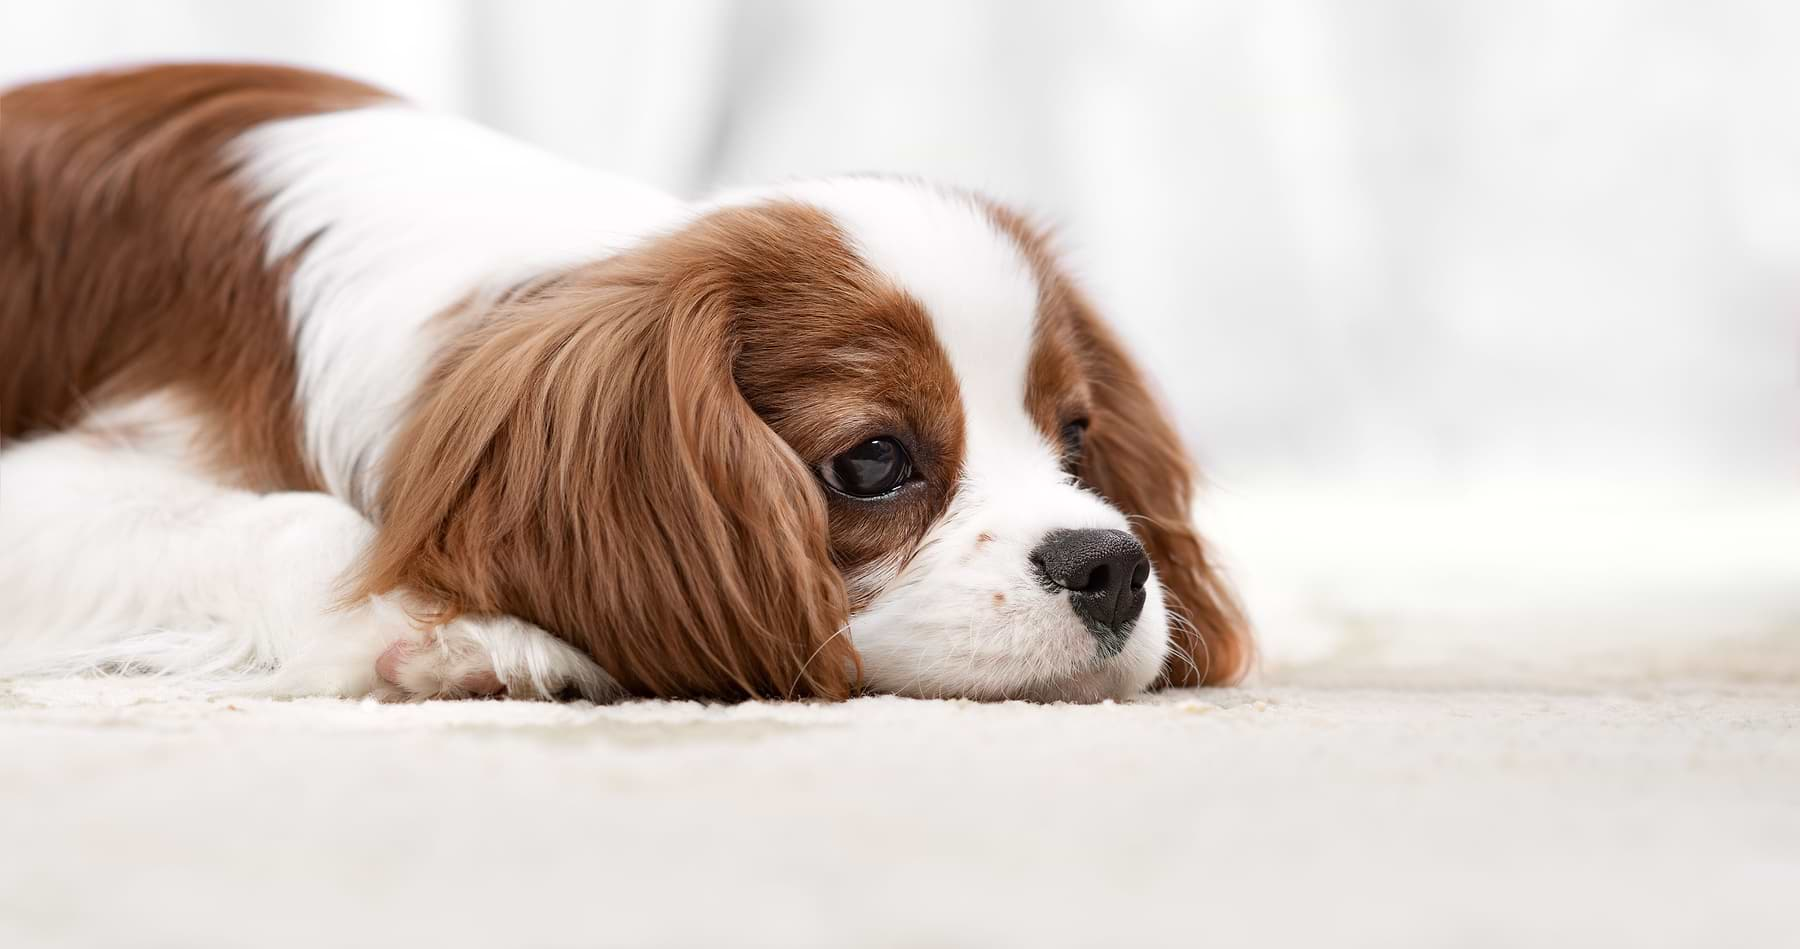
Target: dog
x: 307, y: 390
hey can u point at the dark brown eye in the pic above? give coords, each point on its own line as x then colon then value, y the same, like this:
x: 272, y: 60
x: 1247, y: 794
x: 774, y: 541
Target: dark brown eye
x: 1074, y: 440
x: 869, y: 470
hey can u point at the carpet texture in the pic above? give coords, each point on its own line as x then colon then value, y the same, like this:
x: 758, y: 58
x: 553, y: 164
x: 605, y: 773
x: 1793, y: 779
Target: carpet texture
x: 1306, y: 811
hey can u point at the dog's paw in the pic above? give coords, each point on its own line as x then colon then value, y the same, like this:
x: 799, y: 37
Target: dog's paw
x: 490, y: 656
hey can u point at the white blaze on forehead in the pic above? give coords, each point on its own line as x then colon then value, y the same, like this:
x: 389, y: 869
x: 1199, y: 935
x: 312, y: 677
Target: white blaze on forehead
x: 973, y: 281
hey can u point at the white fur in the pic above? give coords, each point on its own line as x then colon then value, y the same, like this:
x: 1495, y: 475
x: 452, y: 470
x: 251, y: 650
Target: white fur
x: 398, y: 214
x: 117, y: 557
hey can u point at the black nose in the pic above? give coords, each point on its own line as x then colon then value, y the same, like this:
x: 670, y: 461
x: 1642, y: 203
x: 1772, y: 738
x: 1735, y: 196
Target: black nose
x: 1104, y: 572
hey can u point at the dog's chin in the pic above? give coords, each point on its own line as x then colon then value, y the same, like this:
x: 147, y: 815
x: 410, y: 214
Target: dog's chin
x: 1121, y: 678
x: 1087, y: 680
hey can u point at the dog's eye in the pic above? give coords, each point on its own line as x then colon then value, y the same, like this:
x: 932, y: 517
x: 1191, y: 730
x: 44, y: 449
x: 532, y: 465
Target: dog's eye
x: 869, y: 470
x: 1074, y: 439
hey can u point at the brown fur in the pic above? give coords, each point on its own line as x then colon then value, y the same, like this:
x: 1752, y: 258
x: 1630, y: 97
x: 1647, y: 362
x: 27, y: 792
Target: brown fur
x: 130, y: 263
x: 831, y: 356
x: 1080, y: 369
x: 586, y: 459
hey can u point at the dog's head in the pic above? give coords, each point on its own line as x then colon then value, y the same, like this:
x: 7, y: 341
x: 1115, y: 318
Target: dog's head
x: 850, y: 432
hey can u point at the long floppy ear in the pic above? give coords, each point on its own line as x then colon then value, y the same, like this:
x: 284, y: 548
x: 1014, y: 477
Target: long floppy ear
x: 1135, y: 458
x: 586, y: 462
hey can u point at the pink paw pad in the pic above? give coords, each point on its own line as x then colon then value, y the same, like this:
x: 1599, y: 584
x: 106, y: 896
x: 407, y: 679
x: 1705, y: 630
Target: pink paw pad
x: 392, y: 667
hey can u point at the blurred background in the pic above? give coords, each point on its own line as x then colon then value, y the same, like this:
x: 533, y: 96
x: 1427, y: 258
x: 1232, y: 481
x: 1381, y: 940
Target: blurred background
x: 1484, y: 319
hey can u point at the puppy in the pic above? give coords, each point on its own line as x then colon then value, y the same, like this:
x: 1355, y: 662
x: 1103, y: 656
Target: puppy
x: 308, y: 391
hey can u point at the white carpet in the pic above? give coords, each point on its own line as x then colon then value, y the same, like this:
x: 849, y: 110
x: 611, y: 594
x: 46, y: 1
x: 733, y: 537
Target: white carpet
x: 1307, y: 814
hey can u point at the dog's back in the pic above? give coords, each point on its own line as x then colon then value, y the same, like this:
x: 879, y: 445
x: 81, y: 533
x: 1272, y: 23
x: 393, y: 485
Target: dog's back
x: 122, y: 234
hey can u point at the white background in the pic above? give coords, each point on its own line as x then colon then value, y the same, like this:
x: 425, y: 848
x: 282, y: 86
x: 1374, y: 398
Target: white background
x: 1483, y: 317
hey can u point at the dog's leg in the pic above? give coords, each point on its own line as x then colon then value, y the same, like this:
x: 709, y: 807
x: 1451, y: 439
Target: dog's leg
x: 114, y: 558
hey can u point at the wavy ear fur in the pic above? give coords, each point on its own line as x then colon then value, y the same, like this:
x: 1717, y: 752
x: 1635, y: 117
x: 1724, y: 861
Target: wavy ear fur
x: 1135, y: 458
x: 584, y: 460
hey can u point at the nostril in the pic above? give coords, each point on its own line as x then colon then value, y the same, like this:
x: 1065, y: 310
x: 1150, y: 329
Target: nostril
x: 1088, y: 559
x: 1103, y: 573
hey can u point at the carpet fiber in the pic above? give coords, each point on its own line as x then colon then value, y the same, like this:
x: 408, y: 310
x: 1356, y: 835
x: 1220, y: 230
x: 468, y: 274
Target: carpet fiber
x: 1400, y: 811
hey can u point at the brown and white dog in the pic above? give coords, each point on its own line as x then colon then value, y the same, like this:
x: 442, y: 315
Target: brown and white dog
x: 306, y: 390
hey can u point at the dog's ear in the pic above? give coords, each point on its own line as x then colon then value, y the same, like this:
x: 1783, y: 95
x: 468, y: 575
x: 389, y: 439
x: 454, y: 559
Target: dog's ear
x: 1135, y: 458
x: 586, y: 462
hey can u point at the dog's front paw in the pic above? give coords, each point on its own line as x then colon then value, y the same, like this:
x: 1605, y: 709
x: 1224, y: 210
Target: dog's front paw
x: 490, y: 656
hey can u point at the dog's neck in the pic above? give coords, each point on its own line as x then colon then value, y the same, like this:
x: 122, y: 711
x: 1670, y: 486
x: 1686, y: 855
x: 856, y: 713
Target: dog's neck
x: 405, y: 225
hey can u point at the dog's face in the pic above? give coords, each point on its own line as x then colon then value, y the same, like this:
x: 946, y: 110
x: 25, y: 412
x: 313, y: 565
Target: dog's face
x: 943, y: 403
x: 850, y: 425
